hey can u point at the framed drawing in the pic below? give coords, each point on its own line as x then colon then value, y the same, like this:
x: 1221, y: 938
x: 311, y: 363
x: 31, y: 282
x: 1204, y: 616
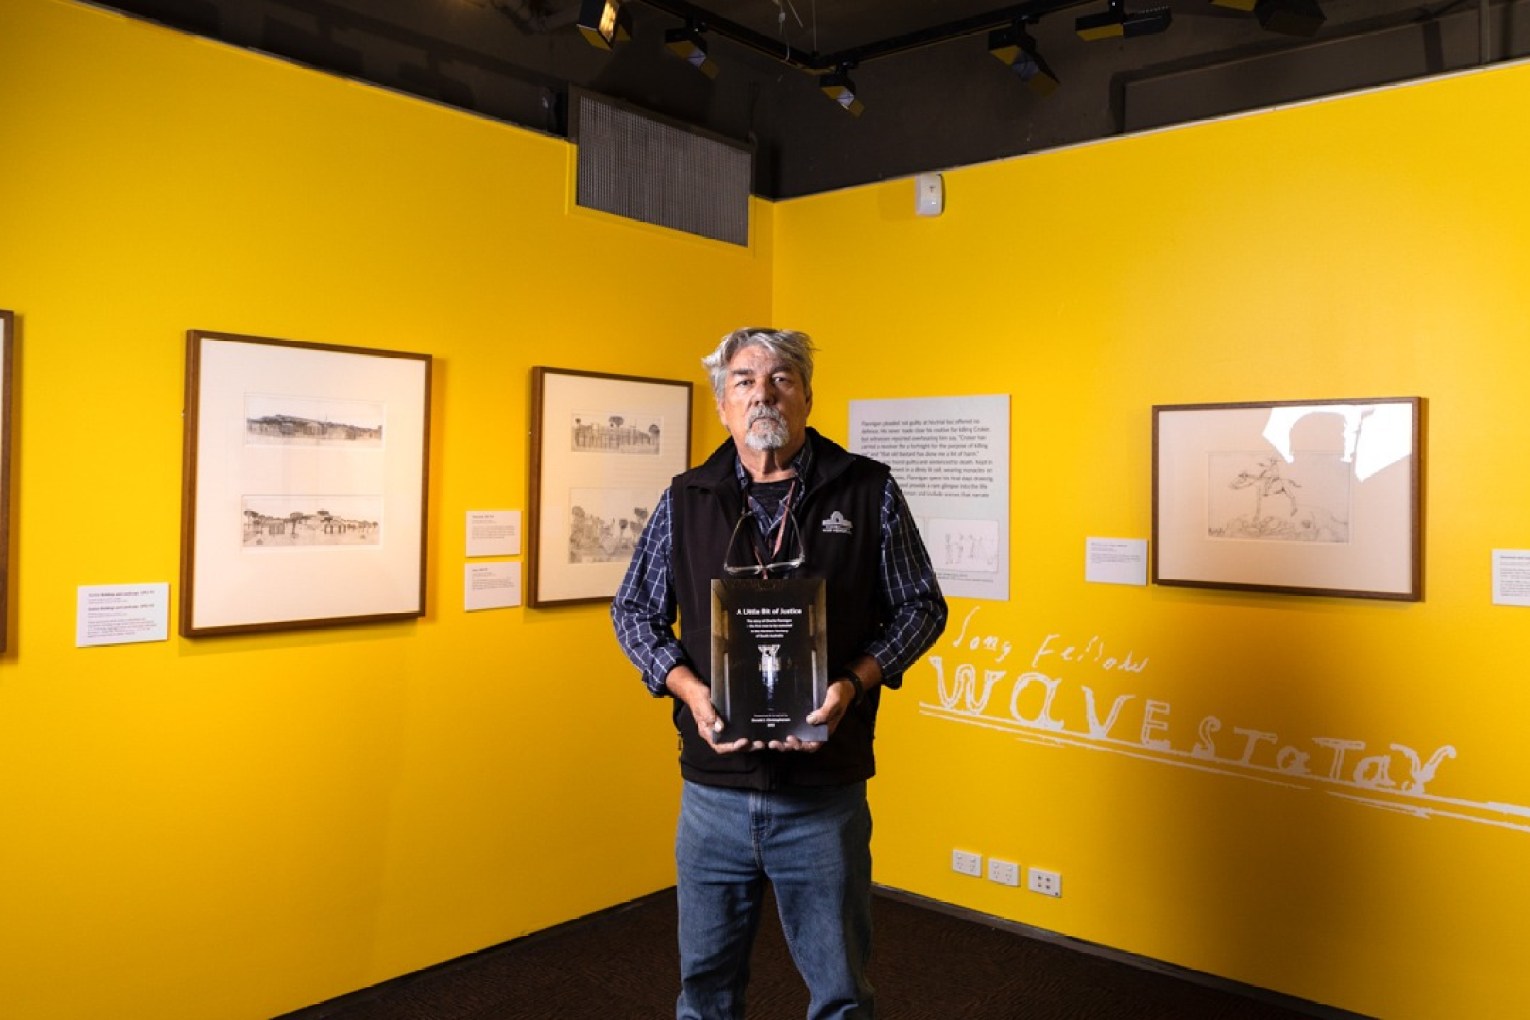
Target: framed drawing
x: 304, y: 484
x: 1317, y: 497
x: 603, y: 450
x: 7, y: 341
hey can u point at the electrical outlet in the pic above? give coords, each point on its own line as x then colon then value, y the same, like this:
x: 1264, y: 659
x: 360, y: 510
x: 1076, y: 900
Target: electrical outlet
x: 967, y: 863
x: 1048, y: 883
x: 1003, y: 872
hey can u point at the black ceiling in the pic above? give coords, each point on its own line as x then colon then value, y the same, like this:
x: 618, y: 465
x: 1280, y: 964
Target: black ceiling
x: 934, y: 97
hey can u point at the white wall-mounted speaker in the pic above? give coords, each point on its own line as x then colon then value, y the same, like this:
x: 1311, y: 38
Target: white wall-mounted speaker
x: 929, y: 194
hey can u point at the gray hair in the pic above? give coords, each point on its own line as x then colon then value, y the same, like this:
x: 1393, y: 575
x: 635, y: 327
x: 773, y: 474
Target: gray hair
x: 794, y: 348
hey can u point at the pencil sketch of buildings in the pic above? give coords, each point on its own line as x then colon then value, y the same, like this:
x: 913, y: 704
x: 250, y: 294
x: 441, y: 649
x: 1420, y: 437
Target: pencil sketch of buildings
x: 309, y: 421
x: 289, y: 522
x: 1261, y: 496
x: 615, y: 432
x: 604, y: 524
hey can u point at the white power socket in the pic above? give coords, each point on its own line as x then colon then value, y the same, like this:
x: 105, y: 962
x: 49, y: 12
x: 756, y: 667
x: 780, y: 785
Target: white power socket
x: 967, y: 863
x: 1040, y: 880
x: 1003, y: 872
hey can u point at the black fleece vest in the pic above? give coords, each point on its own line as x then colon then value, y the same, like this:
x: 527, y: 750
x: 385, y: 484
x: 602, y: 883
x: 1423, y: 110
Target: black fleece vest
x: 839, y: 515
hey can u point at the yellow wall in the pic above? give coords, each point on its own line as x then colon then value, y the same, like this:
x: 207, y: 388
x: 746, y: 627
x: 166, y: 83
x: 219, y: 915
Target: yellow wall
x: 1371, y: 246
x: 236, y: 827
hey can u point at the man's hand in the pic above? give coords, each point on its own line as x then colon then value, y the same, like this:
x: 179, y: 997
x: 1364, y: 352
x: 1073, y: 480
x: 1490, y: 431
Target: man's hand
x: 836, y: 702
x: 683, y: 684
x: 686, y: 686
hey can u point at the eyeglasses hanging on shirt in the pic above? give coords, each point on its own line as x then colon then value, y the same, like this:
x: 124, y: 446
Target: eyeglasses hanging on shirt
x: 774, y: 550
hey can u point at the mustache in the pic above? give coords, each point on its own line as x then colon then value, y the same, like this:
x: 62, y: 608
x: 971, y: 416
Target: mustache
x: 769, y: 413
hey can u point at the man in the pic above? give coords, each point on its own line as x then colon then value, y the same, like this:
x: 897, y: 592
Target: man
x: 789, y: 811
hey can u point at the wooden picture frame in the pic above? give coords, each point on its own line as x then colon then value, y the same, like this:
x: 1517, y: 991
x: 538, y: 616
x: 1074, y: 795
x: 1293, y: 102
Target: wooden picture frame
x: 1311, y: 497
x: 7, y: 347
x: 304, y: 491
x: 603, y: 450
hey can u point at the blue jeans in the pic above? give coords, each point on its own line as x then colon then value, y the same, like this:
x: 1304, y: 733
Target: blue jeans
x: 814, y: 847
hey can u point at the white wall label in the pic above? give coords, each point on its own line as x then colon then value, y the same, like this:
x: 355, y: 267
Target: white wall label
x: 1115, y: 560
x: 950, y: 457
x: 1511, y: 577
x: 491, y: 585
x: 493, y: 532
x: 119, y: 614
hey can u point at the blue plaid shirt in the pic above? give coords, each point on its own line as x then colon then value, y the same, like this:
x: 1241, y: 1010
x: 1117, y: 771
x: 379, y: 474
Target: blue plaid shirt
x: 644, y: 608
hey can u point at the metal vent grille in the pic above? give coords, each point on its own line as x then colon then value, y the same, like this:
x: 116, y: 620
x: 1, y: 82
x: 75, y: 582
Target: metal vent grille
x: 634, y: 165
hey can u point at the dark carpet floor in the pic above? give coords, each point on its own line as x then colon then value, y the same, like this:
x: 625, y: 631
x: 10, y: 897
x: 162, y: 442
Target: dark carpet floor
x: 927, y: 965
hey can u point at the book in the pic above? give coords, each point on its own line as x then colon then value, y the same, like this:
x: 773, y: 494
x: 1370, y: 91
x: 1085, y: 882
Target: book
x: 769, y: 657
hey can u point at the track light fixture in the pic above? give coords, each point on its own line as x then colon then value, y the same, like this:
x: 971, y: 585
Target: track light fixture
x: 1114, y: 21
x: 1290, y: 17
x: 838, y: 87
x: 604, y: 23
x: 1015, y: 48
x: 689, y: 45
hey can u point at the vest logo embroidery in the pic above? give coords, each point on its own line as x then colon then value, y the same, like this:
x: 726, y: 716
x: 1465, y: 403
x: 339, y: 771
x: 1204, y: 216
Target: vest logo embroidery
x: 837, y: 524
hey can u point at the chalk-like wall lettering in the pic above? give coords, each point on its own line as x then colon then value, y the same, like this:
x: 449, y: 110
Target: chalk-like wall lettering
x: 1048, y: 703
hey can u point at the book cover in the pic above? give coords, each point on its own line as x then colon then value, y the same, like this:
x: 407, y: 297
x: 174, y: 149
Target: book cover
x: 769, y: 651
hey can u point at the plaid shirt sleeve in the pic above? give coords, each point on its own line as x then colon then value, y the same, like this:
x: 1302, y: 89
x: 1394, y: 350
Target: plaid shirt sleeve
x: 643, y: 610
x: 908, y: 589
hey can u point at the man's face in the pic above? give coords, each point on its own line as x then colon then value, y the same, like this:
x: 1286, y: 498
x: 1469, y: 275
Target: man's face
x: 764, y: 403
